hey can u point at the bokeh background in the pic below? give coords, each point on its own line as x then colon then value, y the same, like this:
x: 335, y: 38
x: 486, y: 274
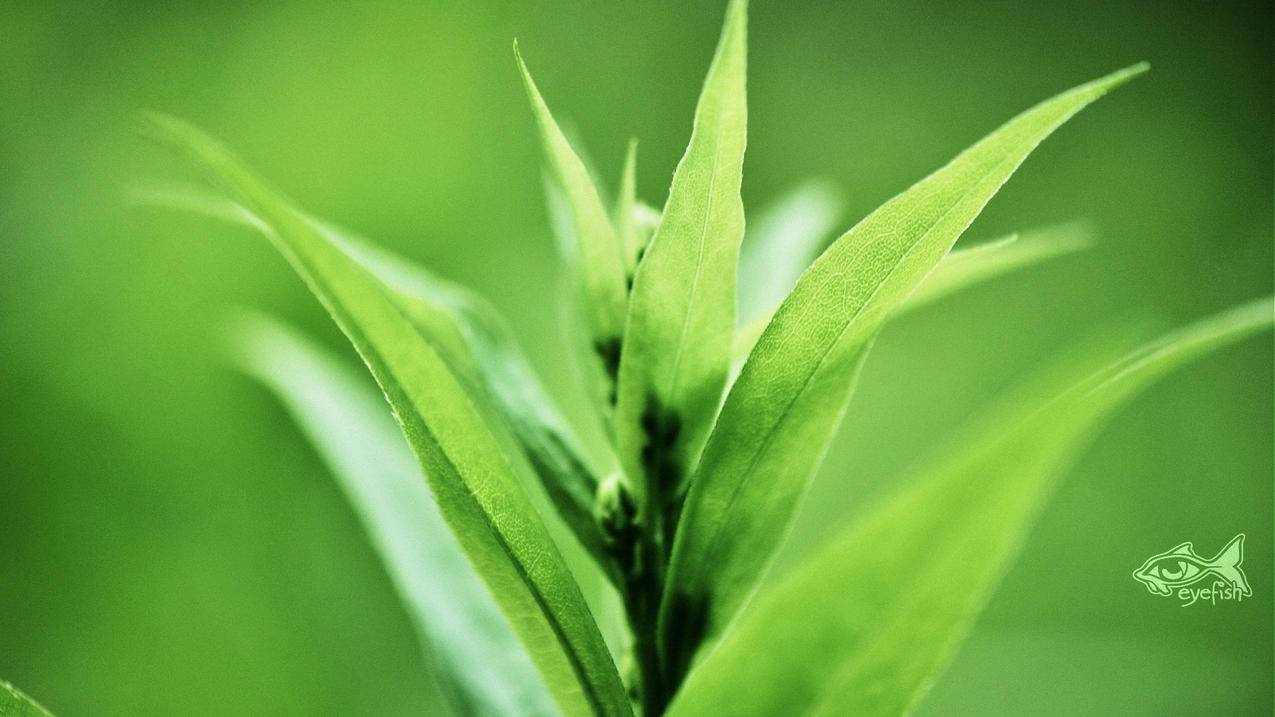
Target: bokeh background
x: 169, y: 544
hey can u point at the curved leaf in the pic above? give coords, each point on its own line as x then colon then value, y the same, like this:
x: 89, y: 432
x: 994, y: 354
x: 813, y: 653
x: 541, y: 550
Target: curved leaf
x: 471, y: 478
x: 15, y: 704
x: 958, y: 270
x: 485, y: 669
x: 478, y: 344
x: 872, y: 616
x: 601, y: 258
x: 781, y: 412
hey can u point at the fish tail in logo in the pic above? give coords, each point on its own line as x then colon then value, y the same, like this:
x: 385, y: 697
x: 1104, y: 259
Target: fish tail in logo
x: 1180, y: 567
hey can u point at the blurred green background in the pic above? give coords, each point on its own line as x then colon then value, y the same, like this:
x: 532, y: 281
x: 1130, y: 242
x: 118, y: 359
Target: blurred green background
x: 170, y: 545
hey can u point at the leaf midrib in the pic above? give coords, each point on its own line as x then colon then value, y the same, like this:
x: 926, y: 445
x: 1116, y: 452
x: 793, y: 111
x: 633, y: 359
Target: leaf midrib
x: 699, y: 266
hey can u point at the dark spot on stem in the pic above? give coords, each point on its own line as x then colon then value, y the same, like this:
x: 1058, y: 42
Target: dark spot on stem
x: 662, y: 429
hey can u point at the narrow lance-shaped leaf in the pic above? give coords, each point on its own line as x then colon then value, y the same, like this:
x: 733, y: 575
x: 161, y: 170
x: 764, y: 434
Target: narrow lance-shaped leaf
x: 627, y: 225
x: 792, y: 392
x: 601, y: 258
x: 961, y: 269
x: 966, y: 267
x: 485, y: 670
x: 871, y: 617
x: 15, y: 704
x: 682, y: 307
x: 778, y: 246
x: 471, y: 478
x: 478, y: 345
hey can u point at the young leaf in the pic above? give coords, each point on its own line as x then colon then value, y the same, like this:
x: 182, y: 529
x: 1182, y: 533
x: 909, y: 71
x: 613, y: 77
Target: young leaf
x: 793, y: 389
x: 959, y: 269
x: 781, y: 243
x: 871, y: 617
x: 478, y: 345
x: 471, y: 478
x: 484, y: 668
x: 682, y: 307
x: 630, y: 233
x: 601, y: 258
x: 15, y: 704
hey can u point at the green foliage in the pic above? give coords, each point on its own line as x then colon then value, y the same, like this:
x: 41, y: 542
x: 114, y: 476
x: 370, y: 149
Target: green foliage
x: 793, y: 389
x: 710, y: 470
x: 473, y: 645
x: 470, y: 474
x: 871, y: 617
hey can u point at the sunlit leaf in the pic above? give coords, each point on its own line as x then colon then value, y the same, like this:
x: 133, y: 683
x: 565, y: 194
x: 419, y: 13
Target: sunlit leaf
x: 870, y: 618
x: 958, y: 270
x: 484, y: 668
x: 782, y: 410
x: 682, y: 307
x: 472, y: 479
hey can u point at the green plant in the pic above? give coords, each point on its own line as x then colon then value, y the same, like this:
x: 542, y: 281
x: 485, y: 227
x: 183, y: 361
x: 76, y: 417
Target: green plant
x: 707, y: 463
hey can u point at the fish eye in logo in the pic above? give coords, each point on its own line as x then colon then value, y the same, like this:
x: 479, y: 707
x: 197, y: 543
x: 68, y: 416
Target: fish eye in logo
x: 1181, y: 566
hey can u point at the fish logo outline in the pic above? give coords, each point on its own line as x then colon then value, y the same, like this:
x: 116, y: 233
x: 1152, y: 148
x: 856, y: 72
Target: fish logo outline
x: 1182, y: 566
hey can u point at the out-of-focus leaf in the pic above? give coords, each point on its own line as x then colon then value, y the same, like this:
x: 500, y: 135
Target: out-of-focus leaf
x: 478, y: 345
x: 965, y: 267
x: 792, y: 392
x: 870, y: 618
x: 601, y: 259
x: 15, y: 704
x: 484, y: 668
x: 781, y: 243
x: 960, y: 269
x: 627, y: 224
x: 471, y: 477
x: 682, y: 306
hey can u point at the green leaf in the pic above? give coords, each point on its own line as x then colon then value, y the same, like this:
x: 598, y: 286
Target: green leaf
x: 628, y: 219
x: 960, y: 269
x: 484, y: 668
x: 871, y: 617
x: 780, y: 244
x: 792, y: 392
x: 989, y: 260
x: 472, y: 480
x: 682, y: 306
x: 15, y: 704
x: 601, y: 258
x: 478, y: 345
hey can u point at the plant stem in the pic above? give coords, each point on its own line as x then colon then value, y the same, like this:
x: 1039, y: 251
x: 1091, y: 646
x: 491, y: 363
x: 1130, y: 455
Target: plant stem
x: 643, y: 607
